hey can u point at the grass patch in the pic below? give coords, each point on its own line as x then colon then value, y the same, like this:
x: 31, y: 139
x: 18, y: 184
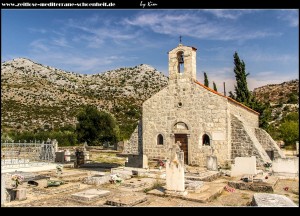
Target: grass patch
x: 245, y: 196
x: 157, y: 184
x: 108, y: 158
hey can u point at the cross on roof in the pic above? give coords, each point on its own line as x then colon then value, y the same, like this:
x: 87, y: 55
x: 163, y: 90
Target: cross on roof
x: 180, y: 37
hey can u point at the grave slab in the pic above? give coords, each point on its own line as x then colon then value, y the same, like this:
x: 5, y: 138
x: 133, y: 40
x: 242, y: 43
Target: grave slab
x: 126, y: 199
x: 90, y: 195
x: 271, y: 200
x: 208, y: 193
x: 259, y: 184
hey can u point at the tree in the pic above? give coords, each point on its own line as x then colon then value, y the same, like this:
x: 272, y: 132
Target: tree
x: 96, y: 127
x: 244, y: 96
x: 215, y: 87
x: 289, y: 132
x: 206, y: 83
x: 242, y: 93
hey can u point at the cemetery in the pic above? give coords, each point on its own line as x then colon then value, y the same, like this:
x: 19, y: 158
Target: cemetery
x: 76, y: 178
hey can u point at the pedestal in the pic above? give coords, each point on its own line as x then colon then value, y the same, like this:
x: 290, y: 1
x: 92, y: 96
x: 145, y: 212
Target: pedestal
x: 20, y: 193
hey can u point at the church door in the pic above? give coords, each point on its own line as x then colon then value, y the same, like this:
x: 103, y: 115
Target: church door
x: 182, y: 138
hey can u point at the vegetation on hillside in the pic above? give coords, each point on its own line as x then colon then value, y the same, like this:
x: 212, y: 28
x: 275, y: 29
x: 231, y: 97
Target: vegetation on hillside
x: 96, y: 127
x: 37, y: 98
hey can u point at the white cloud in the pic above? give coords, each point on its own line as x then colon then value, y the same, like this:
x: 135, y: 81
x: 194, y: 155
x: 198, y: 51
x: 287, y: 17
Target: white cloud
x: 195, y: 25
x: 39, y: 45
x: 271, y: 57
x: 290, y: 16
x: 62, y: 42
x: 228, y: 14
x: 95, y: 36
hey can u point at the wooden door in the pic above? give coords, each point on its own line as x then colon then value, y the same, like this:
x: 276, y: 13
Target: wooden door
x: 182, y: 138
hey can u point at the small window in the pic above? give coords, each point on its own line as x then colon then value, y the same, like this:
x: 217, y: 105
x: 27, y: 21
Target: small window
x: 160, y: 139
x: 205, y: 140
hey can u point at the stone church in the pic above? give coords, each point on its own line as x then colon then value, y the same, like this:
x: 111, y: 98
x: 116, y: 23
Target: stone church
x: 204, y: 121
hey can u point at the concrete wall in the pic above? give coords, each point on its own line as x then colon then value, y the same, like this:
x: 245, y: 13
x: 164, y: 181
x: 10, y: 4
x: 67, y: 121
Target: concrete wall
x: 202, y: 111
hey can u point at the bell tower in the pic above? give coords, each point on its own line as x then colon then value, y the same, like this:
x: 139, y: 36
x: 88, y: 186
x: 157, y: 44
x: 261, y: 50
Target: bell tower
x: 182, y: 62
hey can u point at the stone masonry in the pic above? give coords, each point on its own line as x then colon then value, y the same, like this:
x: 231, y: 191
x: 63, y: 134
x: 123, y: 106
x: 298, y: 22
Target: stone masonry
x: 134, y: 145
x: 268, y: 143
x: 208, y: 121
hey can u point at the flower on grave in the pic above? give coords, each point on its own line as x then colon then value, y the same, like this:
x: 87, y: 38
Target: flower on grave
x: 115, y: 178
x: 160, y: 164
x: 267, y: 165
x: 18, y: 179
x: 59, y: 168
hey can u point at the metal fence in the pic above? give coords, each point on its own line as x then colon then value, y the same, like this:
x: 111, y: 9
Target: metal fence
x: 23, y: 154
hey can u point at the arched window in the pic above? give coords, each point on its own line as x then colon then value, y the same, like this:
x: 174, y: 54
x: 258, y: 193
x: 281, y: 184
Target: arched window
x: 180, y: 58
x: 205, y: 140
x: 160, y: 139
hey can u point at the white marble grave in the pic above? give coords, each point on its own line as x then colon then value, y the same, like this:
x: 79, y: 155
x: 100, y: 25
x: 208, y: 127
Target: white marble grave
x: 175, y: 171
x: 244, y: 166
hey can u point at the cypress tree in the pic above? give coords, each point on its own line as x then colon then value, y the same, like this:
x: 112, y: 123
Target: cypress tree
x: 215, y: 87
x: 244, y: 96
x: 206, y: 83
x: 242, y: 93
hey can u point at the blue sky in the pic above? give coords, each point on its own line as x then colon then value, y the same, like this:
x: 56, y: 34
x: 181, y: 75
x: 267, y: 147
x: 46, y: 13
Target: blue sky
x: 94, y: 41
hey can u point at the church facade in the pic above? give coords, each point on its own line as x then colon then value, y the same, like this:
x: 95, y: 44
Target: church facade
x: 204, y: 121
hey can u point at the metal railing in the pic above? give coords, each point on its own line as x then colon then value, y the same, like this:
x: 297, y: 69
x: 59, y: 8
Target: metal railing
x: 23, y: 154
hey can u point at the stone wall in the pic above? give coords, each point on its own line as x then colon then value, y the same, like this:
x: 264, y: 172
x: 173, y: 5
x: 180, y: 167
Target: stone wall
x: 244, y: 142
x: 201, y: 110
x: 134, y: 144
x: 268, y: 143
x: 250, y: 118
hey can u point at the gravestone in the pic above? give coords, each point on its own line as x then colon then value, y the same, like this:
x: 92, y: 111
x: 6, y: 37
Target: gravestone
x: 212, y: 163
x: 286, y: 167
x: 244, y: 166
x: 297, y: 148
x: 55, y: 145
x: 271, y: 200
x: 3, y: 189
x: 175, y: 171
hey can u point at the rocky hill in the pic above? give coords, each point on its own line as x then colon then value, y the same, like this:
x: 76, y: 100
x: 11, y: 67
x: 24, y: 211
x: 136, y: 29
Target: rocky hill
x: 284, y: 93
x: 35, y: 96
x: 283, y: 99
